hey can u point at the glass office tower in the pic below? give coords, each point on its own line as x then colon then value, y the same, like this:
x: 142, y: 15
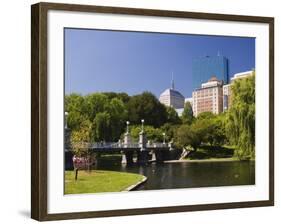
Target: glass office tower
x: 203, y: 68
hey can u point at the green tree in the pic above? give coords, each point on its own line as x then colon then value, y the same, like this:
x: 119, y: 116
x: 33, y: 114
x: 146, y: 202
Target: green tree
x: 186, y: 137
x: 94, y: 104
x: 80, y: 138
x: 146, y: 106
x: 205, y: 115
x: 101, y: 127
x: 170, y: 131
x: 152, y: 134
x: 172, y: 116
x: 192, y: 135
x: 219, y: 136
x: 118, y: 115
x: 74, y: 102
x: 187, y: 114
x: 124, y: 97
x: 240, y: 118
x: 215, y: 132
x: 74, y: 105
x: 107, y: 112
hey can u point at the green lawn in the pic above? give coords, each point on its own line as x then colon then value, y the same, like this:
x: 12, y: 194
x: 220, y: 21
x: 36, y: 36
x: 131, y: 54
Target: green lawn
x: 99, y: 181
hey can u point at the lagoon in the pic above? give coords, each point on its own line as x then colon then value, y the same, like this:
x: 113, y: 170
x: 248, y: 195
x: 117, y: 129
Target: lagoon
x: 186, y: 174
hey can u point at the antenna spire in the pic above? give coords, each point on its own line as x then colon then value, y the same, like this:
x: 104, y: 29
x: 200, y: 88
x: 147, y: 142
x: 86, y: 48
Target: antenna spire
x: 172, y: 82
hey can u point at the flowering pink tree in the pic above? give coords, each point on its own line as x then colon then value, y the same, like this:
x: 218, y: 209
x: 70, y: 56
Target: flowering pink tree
x: 82, y: 163
x: 80, y: 139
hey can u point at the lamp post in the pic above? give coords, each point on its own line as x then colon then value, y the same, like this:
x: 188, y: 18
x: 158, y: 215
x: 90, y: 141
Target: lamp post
x: 142, y: 121
x: 164, y: 135
x: 127, y: 122
x: 66, y: 114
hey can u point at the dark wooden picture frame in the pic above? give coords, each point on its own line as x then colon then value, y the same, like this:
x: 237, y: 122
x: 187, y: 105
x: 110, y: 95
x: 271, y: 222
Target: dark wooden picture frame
x: 39, y: 107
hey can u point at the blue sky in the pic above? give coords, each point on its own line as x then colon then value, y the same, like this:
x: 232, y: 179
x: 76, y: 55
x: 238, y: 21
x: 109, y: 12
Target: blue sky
x: 133, y: 62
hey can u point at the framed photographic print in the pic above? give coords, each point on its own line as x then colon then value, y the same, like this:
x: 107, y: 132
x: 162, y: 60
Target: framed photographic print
x: 140, y: 111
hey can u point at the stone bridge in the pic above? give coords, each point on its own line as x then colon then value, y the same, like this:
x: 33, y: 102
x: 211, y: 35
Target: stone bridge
x: 143, y: 150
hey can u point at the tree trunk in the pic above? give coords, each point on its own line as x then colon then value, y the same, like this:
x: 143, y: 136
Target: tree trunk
x: 191, y: 151
x: 76, y: 174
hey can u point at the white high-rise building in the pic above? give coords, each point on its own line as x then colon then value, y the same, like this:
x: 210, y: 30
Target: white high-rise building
x: 227, y: 88
x: 190, y: 100
x: 172, y: 98
x: 242, y: 75
x: 226, y: 91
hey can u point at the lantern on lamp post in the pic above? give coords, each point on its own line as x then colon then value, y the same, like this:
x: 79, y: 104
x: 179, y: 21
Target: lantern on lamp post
x: 142, y: 121
x: 128, y: 123
x: 65, y: 123
x: 164, y: 140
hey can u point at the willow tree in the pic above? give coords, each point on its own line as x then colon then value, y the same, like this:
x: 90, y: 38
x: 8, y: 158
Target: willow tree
x: 240, y: 119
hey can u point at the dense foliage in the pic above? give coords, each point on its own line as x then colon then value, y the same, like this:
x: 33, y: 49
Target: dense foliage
x: 203, y: 130
x: 102, y: 117
x: 152, y: 134
x: 146, y: 106
x: 240, y: 119
x: 234, y: 127
x: 108, y: 112
x: 80, y: 138
x: 106, y: 115
x: 187, y: 114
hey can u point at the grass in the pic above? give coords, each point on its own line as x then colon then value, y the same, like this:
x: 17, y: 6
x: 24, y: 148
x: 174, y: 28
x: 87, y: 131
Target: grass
x: 212, y: 152
x: 97, y: 181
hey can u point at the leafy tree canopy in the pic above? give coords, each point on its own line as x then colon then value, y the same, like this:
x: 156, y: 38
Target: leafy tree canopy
x: 152, y: 134
x: 205, y: 115
x: 240, y: 119
x: 146, y: 106
x: 81, y: 137
x: 186, y: 136
x: 172, y: 116
x: 124, y: 97
x: 187, y: 114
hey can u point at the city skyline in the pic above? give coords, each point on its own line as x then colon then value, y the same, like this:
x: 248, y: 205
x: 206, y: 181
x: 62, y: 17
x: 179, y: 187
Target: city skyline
x: 133, y: 62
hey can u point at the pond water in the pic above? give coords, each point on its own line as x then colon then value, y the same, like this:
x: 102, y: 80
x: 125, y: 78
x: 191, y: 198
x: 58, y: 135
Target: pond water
x: 186, y: 174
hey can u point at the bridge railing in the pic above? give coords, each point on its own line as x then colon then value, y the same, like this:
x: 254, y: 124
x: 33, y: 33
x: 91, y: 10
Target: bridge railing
x: 113, y: 145
x: 118, y: 145
x: 102, y: 145
x: 157, y: 145
x: 130, y: 145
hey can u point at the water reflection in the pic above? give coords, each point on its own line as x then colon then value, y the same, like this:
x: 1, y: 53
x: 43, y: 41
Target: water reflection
x: 185, y: 175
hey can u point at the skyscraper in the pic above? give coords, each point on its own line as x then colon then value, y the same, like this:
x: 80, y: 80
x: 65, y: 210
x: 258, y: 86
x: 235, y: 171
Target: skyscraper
x: 172, y: 98
x: 203, y: 68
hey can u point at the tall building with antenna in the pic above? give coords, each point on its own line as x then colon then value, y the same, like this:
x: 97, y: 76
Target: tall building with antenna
x: 203, y: 68
x: 171, y: 97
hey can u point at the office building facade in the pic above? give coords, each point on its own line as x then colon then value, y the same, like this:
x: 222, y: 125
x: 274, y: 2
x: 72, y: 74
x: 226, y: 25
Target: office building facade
x: 208, y: 98
x: 205, y: 67
x: 226, y: 96
x: 172, y: 98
